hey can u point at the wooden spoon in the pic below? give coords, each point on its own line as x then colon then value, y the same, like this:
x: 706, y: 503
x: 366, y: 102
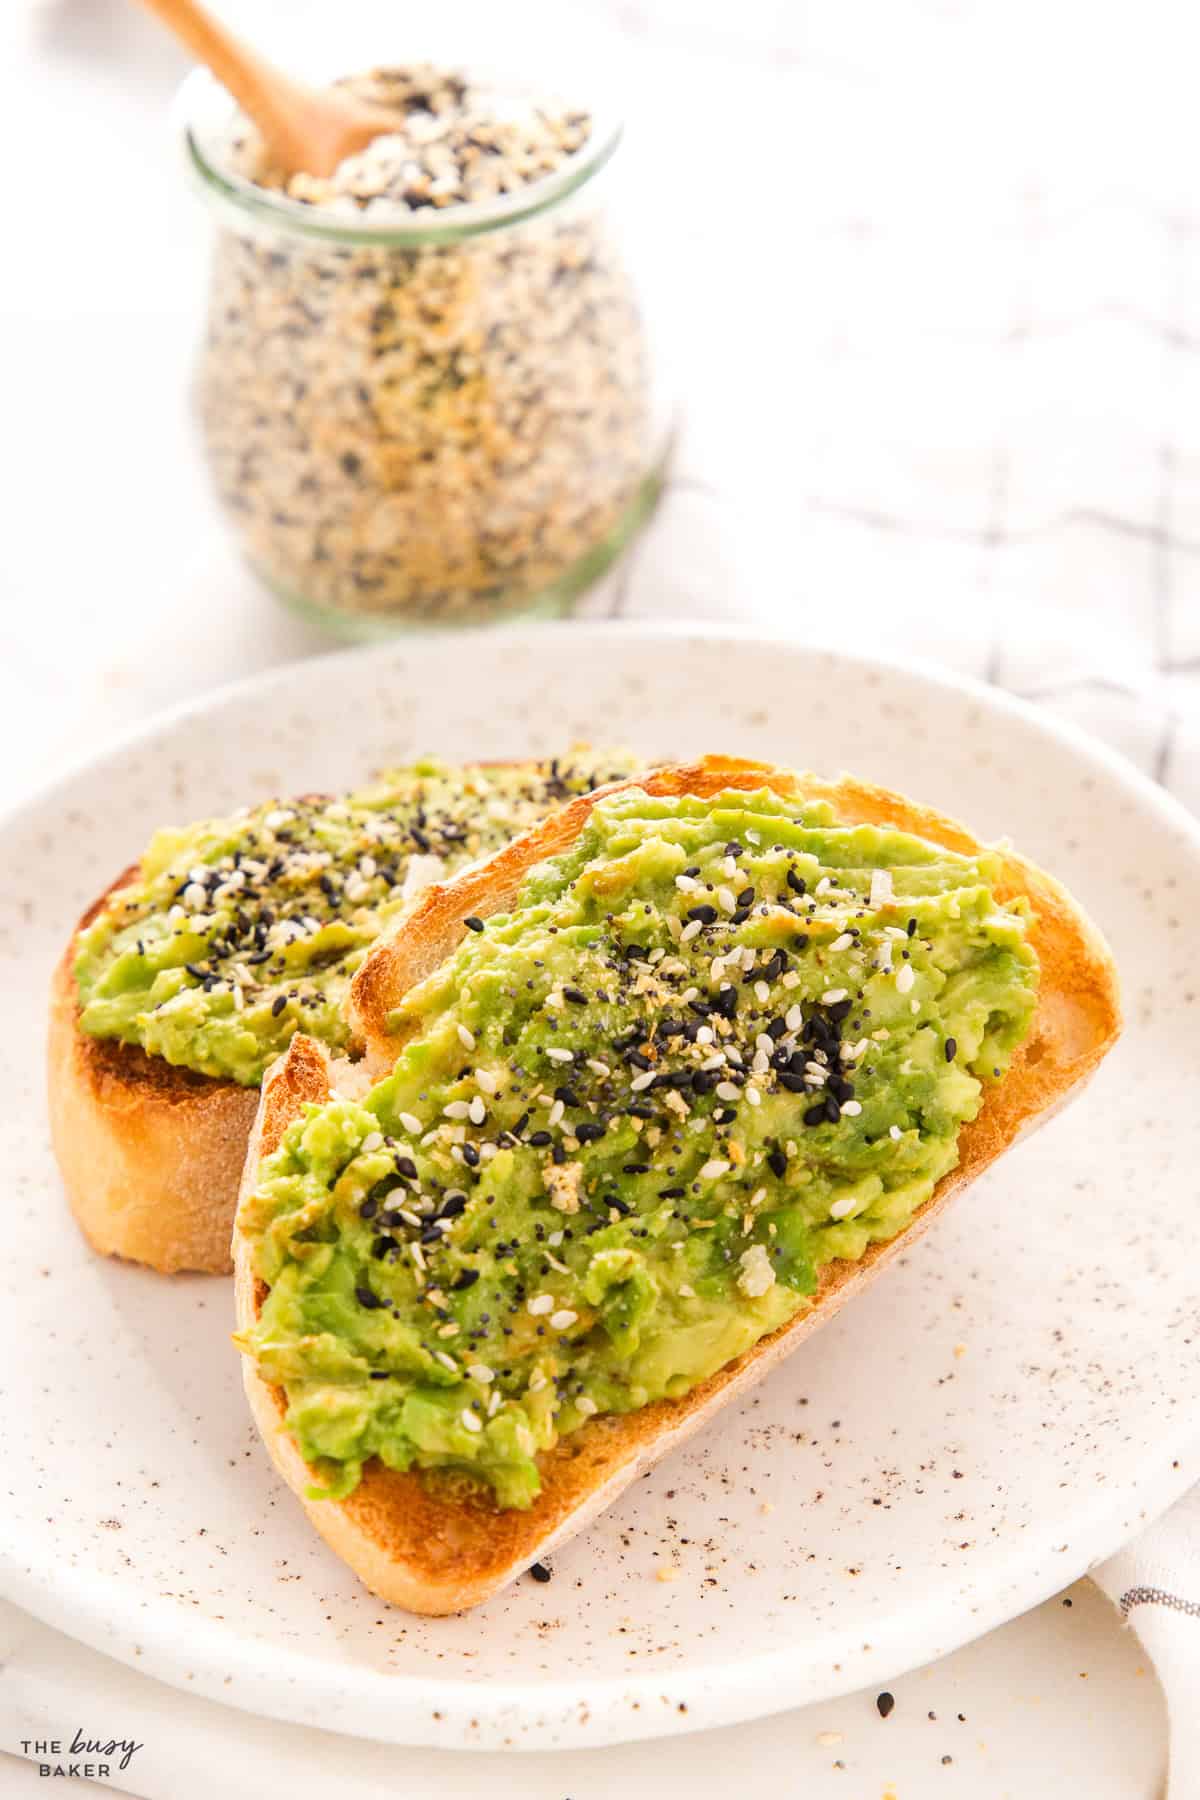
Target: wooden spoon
x: 305, y: 128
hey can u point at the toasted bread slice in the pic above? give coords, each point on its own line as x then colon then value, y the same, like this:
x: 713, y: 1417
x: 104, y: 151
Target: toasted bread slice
x: 434, y: 1555
x: 150, y: 1153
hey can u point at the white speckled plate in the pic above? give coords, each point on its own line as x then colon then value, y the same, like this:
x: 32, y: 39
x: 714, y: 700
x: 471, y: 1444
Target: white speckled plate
x: 1003, y: 1409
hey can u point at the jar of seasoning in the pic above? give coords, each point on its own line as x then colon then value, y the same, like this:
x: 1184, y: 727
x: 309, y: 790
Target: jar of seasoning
x: 425, y: 386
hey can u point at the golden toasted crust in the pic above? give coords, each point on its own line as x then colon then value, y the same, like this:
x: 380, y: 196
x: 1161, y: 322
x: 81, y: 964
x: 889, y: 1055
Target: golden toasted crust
x: 150, y: 1154
x: 433, y: 1555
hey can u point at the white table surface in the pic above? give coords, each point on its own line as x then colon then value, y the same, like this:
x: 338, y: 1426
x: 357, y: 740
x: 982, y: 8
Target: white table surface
x: 954, y: 369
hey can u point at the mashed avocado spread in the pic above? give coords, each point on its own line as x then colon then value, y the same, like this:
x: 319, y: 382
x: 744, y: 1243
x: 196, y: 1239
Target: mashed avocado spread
x: 714, y: 1047
x: 240, y: 931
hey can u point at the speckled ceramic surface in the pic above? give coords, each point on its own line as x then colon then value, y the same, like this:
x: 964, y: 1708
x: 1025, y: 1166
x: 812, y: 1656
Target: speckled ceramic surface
x: 1005, y: 1407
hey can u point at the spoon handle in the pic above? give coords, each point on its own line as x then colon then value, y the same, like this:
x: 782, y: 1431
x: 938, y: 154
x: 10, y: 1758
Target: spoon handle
x: 271, y: 98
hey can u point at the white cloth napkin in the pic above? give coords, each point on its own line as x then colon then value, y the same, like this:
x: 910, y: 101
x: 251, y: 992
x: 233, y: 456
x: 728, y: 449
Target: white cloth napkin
x: 1155, y: 1581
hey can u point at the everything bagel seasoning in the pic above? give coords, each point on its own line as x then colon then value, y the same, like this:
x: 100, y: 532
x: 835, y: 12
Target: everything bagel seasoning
x: 442, y: 429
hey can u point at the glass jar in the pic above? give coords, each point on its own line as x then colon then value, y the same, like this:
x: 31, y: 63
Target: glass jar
x: 441, y: 421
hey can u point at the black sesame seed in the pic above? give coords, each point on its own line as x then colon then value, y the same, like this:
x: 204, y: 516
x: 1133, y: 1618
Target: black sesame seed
x: 951, y: 1049
x: 539, y: 1138
x: 816, y: 1115
x: 638, y: 1168
x: 466, y: 1279
x: 796, y: 882
x: 589, y: 1133
x: 473, y: 924
x: 885, y: 1702
x: 539, y: 1571
x: 567, y: 1095
x: 777, y: 1163
x: 407, y: 1167
x: 795, y: 1083
x: 368, y: 1209
x: 470, y: 1156
x: 367, y: 1297
x: 575, y: 995
x: 746, y: 897
x: 278, y: 1005
x: 911, y: 928
x: 707, y: 915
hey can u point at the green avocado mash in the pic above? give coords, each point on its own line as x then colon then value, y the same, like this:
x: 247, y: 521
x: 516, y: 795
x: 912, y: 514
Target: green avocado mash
x: 240, y: 931
x: 714, y: 1047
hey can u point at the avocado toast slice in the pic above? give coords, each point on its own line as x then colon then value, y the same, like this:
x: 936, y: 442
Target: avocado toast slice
x: 191, y: 973
x: 663, y: 1084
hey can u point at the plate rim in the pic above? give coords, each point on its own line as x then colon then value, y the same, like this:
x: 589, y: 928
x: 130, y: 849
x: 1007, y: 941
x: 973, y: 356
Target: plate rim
x: 280, y: 1681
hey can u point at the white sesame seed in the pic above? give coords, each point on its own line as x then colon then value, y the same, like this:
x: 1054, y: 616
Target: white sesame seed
x: 418, y: 1255
x: 882, y: 893
x: 761, y: 1063
x: 793, y: 1018
x: 687, y: 884
x: 446, y: 1360
x: 764, y: 1042
x: 690, y: 931
x: 729, y: 867
x: 884, y: 958
x: 486, y: 1082
x: 597, y: 1067
x: 762, y: 992
x: 831, y: 996
x: 481, y: 1372
x: 715, y: 1061
x: 466, y: 1038
x: 559, y: 1056
x: 495, y: 1402
x: 372, y: 1141
x: 554, y: 1117
x: 725, y: 900
x: 471, y: 1421
x: 725, y: 1090
x: 705, y: 1035
x: 753, y: 1096
x: 411, y: 1123
x: 904, y: 978
x: 841, y: 1208
x: 541, y: 1303
x: 477, y: 1111
x: 282, y: 816
x: 713, y: 1168
x: 564, y: 1319
x: 537, y: 1381
x: 194, y: 896
x: 843, y: 942
x: 790, y: 980
x: 456, y: 1109
x: 851, y: 1108
x: 895, y: 1132
x: 823, y: 886
x: 555, y: 1239
x: 642, y: 1081
x: 586, y: 1405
